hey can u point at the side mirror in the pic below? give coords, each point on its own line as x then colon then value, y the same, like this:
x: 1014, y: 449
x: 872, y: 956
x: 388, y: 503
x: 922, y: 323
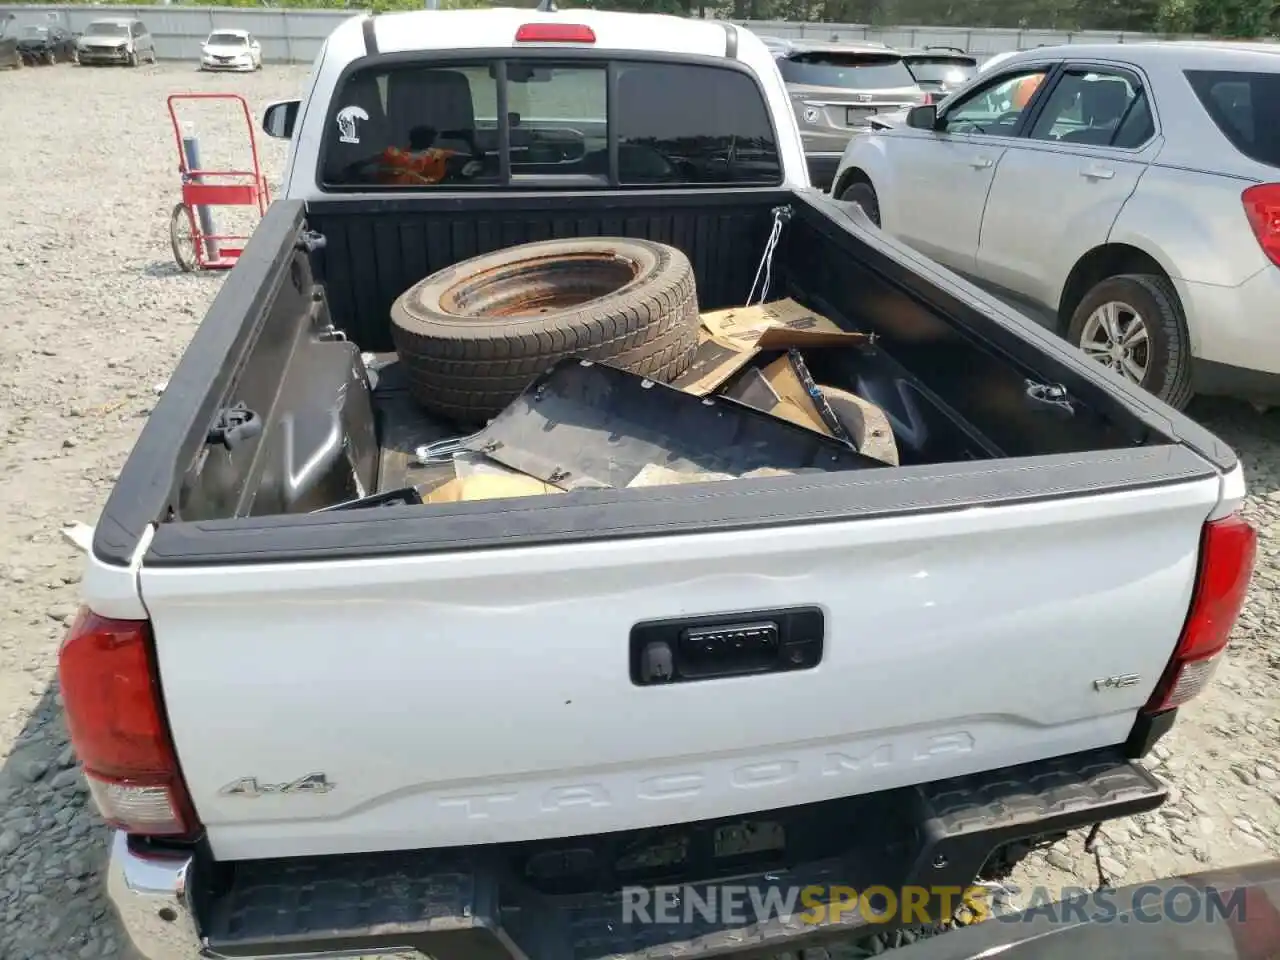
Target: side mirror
x: 279, y: 117
x: 923, y: 118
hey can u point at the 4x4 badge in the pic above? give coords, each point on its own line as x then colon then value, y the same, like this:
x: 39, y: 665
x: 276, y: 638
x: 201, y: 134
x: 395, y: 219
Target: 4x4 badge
x: 250, y: 787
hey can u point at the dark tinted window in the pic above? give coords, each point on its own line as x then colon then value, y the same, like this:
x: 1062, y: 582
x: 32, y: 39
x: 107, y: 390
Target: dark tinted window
x: 107, y: 29
x: 558, y: 119
x: 1137, y: 127
x: 1245, y: 107
x: 425, y: 126
x: 683, y: 124
x: 1096, y: 108
x: 942, y: 69
x: 856, y: 71
x: 414, y: 126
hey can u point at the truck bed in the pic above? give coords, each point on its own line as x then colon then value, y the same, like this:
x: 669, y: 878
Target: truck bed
x: 468, y: 662
x: 952, y: 379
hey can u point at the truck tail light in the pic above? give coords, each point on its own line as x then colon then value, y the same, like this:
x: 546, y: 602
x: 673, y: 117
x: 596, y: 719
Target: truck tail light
x: 111, y: 694
x: 1227, y: 550
x: 555, y: 33
x: 1262, y: 207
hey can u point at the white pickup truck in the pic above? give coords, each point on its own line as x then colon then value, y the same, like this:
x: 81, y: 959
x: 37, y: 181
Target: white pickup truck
x: 324, y: 732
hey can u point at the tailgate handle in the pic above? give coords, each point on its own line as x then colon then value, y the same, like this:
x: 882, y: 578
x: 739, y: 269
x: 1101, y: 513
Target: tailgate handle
x: 726, y: 645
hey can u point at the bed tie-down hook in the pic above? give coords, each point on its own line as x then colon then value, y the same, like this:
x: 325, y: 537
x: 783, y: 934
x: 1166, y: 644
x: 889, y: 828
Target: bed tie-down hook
x: 1052, y: 398
x: 781, y: 216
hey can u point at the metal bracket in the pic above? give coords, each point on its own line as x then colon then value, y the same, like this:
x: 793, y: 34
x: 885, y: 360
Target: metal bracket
x: 233, y: 425
x: 1053, y: 396
x: 310, y: 241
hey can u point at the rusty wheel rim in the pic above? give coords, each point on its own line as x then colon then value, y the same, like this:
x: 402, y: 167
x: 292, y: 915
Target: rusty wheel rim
x: 531, y: 289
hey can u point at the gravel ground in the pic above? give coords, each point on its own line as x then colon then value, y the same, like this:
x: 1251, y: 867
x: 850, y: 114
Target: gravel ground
x: 93, y: 314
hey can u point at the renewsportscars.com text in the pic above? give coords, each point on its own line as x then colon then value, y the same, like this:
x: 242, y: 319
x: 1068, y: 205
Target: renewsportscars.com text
x: 740, y: 905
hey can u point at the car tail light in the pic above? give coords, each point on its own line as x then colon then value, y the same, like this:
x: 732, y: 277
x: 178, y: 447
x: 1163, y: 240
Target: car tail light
x: 112, y: 700
x: 1262, y: 207
x: 927, y: 101
x: 555, y: 33
x: 1227, y: 550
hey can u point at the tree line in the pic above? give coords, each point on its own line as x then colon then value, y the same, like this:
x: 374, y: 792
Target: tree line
x: 1237, y: 19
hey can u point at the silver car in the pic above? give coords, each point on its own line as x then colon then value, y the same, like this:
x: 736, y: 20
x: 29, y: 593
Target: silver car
x: 836, y: 88
x: 1126, y: 194
x: 121, y: 40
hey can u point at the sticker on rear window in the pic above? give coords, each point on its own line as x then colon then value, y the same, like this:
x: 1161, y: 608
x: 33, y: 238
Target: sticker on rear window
x: 347, y: 123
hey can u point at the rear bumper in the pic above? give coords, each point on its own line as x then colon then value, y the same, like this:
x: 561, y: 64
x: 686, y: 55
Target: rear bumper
x: 578, y: 898
x: 151, y: 894
x: 1235, y: 326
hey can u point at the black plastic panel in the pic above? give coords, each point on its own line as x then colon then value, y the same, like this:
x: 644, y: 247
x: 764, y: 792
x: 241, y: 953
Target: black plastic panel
x: 264, y: 283
x: 375, y: 252
x: 585, y: 425
x: 985, y: 388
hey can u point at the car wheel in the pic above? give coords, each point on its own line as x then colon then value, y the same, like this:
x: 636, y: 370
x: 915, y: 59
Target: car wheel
x: 1134, y: 325
x: 133, y: 58
x: 864, y: 195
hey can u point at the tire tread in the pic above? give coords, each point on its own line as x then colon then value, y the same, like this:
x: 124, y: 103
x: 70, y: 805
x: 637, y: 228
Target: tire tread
x: 1174, y: 373
x: 471, y: 372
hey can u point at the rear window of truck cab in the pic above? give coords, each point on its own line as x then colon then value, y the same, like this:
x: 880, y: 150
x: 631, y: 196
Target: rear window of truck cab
x: 488, y: 124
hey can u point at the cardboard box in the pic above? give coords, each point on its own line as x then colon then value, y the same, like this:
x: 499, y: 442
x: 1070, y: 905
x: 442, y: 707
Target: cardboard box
x: 777, y: 389
x: 479, y: 478
x: 728, y: 339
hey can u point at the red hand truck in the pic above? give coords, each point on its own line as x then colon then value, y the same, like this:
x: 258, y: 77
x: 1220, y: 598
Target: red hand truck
x: 195, y: 246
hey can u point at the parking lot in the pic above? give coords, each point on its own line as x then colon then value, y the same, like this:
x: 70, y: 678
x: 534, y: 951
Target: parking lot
x: 93, y: 316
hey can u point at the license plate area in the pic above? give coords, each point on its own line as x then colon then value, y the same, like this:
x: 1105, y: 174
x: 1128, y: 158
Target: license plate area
x: 695, y: 852
x: 853, y: 116
x: 686, y: 649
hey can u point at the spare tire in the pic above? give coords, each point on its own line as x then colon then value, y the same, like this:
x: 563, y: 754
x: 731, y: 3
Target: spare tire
x: 474, y: 335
